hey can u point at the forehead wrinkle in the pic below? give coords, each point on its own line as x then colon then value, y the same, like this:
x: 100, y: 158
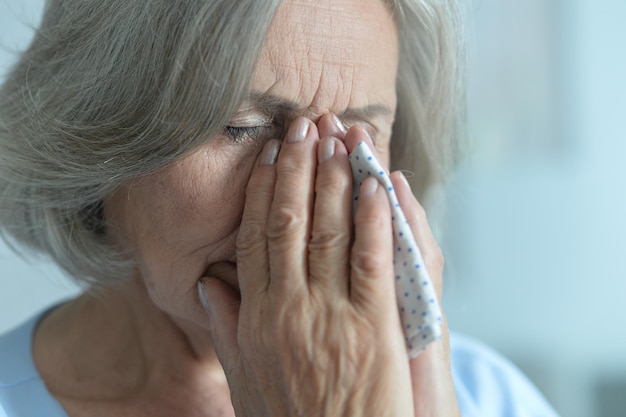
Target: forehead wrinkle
x: 271, y: 104
x: 310, y: 57
x: 322, y: 35
x: 321, y: 20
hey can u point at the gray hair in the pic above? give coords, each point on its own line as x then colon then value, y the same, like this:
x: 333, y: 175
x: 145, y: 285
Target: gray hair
x: 109, y: 91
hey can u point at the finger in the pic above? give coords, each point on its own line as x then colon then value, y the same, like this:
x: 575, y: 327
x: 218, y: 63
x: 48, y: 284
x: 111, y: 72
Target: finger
x: 330, y: 125
x: 371, y: 260
x: 289, y: 221
x: 329, y: 247
x: 221, y: 304
x: 431, y: 378
x: 416, y: 217
x: 252, y: 263
x: 357, y: 134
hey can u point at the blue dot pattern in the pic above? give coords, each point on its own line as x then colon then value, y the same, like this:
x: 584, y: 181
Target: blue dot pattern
x: 418, y: 307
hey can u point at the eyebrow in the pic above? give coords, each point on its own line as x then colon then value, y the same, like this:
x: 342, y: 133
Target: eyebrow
x: 272, y: 104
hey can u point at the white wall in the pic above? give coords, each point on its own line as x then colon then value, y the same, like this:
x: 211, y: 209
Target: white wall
x: 535, y: 228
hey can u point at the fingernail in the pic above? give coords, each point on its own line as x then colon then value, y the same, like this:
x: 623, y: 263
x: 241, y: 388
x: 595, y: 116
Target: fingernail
x: 369, y: 186
x: 203, y: 298
x: 270, y: 152
x: 338, y: 124
x: 298, y: 130
x: 366, y: 134
x: 326, y: 149
x: 404, y: 180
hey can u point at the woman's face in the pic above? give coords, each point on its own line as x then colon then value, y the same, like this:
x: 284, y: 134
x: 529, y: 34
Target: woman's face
x: 319, y: 57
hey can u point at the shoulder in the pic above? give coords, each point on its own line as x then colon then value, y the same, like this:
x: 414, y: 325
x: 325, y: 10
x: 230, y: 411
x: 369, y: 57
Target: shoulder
x: 22, y: 391
x: 488, y: 385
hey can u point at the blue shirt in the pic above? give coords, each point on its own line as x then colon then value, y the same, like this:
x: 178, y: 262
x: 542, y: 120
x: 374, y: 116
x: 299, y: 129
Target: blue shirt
x: 486, y: 384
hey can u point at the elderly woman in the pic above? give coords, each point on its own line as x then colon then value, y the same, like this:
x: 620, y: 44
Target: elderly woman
x: 187, y: 161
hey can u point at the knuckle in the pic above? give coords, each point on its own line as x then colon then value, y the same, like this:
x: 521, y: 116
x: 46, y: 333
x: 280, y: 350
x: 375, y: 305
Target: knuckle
x: 335, y: 184
x: 292, y: 167
x: 328, y: 240
x: 256, y: 192
x: 368, y: 263
x: 284, y: 221
x: 370, y: 219
x: 249, y: 237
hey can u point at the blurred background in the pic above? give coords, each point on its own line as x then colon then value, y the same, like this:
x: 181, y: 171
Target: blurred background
x: 534, y: 233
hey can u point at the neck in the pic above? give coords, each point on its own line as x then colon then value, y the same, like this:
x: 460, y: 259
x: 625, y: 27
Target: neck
x: 115, y: 345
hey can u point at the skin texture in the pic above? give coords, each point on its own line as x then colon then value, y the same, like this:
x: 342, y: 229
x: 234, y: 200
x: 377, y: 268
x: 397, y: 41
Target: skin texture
x: 300, y: 305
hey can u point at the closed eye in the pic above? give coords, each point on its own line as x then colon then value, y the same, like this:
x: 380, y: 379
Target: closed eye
x: 241, y: 134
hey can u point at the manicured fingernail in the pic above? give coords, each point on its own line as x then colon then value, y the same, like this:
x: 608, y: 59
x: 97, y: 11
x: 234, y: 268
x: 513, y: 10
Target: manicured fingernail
x: 338, y: 124
x: 298, y: 130
x: 203, y: 298
x: 326, y: 149
x: 270, y: 152
x: 369, y: 186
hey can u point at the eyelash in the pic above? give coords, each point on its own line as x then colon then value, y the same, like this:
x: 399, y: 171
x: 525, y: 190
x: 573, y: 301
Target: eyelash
x: 241, y: 134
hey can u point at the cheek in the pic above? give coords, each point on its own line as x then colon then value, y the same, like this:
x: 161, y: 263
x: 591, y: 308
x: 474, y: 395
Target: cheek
x: 181, y: 219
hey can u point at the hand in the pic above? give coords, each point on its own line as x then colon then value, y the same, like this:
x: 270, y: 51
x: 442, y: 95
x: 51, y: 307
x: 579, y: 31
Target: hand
x: 431, y: 378
x: 433, y: 388
x: 316, y: 331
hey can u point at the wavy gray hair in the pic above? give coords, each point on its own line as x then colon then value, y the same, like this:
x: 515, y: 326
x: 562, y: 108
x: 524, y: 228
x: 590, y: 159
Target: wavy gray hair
x: 112, y: 90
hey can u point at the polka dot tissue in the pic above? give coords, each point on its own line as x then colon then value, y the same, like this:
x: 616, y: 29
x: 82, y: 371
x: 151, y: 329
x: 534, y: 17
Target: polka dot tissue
x: 420, y: 313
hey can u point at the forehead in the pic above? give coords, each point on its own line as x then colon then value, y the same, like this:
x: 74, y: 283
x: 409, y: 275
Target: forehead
x: 330, y: 55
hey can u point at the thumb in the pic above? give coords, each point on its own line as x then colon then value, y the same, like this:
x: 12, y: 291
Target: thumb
x: 221, y: 304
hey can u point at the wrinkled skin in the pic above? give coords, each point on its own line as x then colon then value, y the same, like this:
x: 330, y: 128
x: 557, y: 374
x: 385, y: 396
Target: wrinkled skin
x: 316, y: 329
x: 302, y: 316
